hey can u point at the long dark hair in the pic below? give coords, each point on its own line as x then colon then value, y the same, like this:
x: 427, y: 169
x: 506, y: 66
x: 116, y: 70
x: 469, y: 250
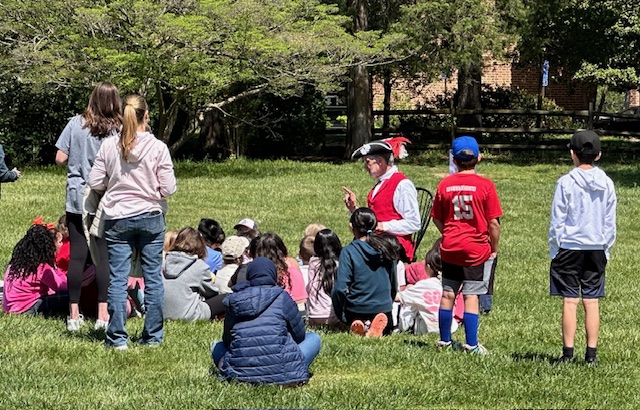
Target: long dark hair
x: 271, y: 246
x: 327, y: 247
x: 364, y: 223
x: 36, y: 247
x: 103, y: 114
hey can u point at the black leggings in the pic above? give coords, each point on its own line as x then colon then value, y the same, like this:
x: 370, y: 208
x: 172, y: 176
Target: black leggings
x: 79, y: 256
x: 216, y: 306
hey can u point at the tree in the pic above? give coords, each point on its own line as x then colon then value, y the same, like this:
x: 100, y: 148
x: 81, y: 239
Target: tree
x: 183, y: 55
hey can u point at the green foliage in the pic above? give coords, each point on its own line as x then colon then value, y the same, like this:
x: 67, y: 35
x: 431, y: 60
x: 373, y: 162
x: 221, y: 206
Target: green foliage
x: 46, y: 367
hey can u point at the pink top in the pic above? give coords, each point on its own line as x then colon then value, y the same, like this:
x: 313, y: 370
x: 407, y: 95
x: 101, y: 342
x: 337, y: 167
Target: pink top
x: 319, y: 304
x: 20, y: 294
x: 137, y: 185
x: 416, y: 272
x: 295, y: 287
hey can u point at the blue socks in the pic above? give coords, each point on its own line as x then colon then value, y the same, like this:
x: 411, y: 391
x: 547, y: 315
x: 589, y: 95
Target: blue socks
x: 445, y: 317
x: 470, y: 321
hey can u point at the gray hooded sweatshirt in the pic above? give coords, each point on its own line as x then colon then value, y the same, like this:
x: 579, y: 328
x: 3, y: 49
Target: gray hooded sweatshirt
x: 583, y: 214
x: 187, y: 282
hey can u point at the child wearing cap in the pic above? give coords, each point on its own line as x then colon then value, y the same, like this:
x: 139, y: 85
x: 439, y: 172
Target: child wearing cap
x: 466, y: 211
x: 232, y: 250
x: 581, y: 234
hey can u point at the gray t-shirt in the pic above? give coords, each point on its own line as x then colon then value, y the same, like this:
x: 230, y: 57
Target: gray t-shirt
x: 81, y: 147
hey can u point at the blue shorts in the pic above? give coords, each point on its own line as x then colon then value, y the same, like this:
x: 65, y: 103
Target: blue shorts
x: 575, y: 273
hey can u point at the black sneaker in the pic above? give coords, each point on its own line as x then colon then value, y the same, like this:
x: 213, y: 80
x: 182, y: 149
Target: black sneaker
x: 564, y: 359
x: 591, y: 361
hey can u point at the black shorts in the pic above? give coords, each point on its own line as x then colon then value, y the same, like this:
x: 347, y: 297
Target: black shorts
x: 574, y: 273
x: 474, y: 280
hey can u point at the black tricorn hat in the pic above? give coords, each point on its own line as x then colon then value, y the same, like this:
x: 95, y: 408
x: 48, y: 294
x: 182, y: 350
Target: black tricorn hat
x: 378, y: 147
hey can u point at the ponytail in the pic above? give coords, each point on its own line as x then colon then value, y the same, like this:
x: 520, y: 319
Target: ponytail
x: 327, y: 247
x: 135, y: 108
x: 364, y: 223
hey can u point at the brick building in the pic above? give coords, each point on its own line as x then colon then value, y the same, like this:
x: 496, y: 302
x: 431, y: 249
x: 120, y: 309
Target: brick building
x: 568, y: 94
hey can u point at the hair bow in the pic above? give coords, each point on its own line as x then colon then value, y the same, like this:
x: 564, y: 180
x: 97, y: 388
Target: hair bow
x: 40, y: 221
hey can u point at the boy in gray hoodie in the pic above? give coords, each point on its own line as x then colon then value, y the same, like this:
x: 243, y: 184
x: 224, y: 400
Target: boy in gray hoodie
x: 581, y: 234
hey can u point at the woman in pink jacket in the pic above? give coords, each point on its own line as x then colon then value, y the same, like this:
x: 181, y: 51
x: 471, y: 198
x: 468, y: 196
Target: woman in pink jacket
x: 136, y: 172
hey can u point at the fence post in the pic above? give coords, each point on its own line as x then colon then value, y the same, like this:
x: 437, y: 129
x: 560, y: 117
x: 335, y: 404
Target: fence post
x: 590, y: 117
x: 452, y: 111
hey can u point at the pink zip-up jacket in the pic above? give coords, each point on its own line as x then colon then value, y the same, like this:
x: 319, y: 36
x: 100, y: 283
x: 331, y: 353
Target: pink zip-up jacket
x: 19, y: 294
x: 137, y: 185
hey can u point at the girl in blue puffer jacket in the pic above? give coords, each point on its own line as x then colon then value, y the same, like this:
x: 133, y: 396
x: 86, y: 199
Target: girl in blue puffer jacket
x: 264, y: 339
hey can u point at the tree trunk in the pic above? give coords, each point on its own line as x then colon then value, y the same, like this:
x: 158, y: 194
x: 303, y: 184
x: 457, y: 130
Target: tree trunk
x: 386, y: 103
x: 468, y: 96
x: 359, y: 105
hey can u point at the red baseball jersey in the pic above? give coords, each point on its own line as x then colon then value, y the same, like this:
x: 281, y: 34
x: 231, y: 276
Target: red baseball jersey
x: 465, y: 203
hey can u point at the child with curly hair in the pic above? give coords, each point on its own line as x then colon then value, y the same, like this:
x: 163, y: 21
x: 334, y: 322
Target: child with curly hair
x: 32, y: 283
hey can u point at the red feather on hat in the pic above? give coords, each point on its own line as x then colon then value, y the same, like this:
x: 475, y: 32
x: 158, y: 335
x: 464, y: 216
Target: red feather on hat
x: 398, y: 146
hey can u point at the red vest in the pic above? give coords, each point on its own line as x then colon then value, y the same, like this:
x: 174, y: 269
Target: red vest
x: 382, y: 206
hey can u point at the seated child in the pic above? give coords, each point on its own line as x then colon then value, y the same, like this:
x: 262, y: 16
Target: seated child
x: 213, y: 237
x: 264, y: 339
x: 187, y: 278
x: 420, y: 299
x: 63, y: 246
x: 232, y: 250
x: 247, y: 227
x: 323, y: 269
x: 304, y: 256
x: 32, y: 284
x: 270, y: 245
x: 366, y: 284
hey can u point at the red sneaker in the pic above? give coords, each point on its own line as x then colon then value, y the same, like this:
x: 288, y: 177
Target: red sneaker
x: 357, y: 327
x: 378, y: 324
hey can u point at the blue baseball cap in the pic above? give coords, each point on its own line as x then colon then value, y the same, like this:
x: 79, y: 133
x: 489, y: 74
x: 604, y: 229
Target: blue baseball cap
x: 465, y: 143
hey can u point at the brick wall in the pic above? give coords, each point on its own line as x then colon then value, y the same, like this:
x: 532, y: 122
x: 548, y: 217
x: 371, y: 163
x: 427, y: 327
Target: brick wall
x: 567, y: 94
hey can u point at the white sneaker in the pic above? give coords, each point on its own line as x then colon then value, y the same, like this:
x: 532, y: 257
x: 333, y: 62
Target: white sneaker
x: 477, y: 349
x: 73, y: 325
x: 100, y: 325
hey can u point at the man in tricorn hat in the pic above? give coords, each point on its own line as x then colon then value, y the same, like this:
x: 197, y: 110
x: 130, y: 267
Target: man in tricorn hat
x: 393, y: 199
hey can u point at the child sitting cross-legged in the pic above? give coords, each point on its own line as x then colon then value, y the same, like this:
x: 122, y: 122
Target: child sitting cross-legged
x: 32, y: 284
x: 264, y: 339
x: 420, y: 298
x: 323, y: 269
x: 187, y: 278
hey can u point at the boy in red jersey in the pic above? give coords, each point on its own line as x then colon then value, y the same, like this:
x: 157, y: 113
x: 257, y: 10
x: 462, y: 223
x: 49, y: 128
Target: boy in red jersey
x: 466, y: 211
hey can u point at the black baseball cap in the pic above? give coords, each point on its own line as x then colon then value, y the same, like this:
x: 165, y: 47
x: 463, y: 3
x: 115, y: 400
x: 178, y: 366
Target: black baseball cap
x: 585, y: 142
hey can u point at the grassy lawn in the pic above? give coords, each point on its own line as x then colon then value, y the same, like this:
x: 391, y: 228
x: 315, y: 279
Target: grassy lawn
x: 45, y: 367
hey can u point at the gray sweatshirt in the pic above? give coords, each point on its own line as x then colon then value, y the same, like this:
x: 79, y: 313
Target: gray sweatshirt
x: 583, y: 214
x: 187, y: 282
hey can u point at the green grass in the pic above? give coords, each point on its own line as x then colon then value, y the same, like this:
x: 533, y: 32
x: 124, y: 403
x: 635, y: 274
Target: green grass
x: 44, y: 367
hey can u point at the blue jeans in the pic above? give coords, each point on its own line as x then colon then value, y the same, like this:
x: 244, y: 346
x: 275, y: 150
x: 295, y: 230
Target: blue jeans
x: 145, y: 233
x: 486, y: 303
x: 310, y: 348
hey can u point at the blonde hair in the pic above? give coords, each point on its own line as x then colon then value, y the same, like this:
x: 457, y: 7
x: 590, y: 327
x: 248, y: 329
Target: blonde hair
x: 169, y: 240
x: 313, y: 229
x: 135, y: 108
x: 306, y: 249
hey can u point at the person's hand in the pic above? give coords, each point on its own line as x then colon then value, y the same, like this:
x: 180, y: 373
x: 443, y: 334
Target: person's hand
x: 350, y: 199
x: 494, y: 254
x: 17, y: 171
x: 379, y: 227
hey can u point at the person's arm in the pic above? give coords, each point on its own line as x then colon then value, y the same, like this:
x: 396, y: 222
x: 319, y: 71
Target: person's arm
x: 53, y: 279
x: 206, y: 289
x: 341, y: 285
x: 350, y: 200
x: 98, y: 178
x: 494, y: 235
x: 439, y: 224
x: 293, y: 318
x: 61, y: 157
x: 5, y: 174
x: 405, y: 201
x: 165, y: 174
x: 559, y: 209
x: 610, y: 220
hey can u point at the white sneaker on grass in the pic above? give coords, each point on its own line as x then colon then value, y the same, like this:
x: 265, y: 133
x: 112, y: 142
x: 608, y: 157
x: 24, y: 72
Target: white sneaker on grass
x: 477, y: 349
x: 101, y: 325
x: 73, y: 325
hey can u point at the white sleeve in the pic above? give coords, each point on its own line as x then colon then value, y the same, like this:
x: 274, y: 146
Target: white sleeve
x: 610, y: 220
x: 559, y: 210
x: 405, y: 201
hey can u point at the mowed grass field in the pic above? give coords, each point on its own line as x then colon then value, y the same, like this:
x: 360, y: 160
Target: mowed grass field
x: 42, y: 366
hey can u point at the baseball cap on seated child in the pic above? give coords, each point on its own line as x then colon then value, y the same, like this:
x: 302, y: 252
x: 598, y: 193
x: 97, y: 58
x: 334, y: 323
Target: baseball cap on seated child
x: 465, y: 143
x: 247, y: 223
x: 585, y: 142
x: 234, y: 246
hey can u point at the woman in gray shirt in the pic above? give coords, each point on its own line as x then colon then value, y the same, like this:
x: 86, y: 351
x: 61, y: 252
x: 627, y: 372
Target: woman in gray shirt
x: 77, y: 148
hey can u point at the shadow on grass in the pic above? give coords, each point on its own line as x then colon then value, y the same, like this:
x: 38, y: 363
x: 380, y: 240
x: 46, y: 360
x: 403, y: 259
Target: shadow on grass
x: 90, y: 336
x: 534, y: 357
x: 418, y: 343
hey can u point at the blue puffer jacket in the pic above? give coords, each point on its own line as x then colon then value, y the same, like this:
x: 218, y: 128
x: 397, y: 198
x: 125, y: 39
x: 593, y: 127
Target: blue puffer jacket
x: 262, y: 329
